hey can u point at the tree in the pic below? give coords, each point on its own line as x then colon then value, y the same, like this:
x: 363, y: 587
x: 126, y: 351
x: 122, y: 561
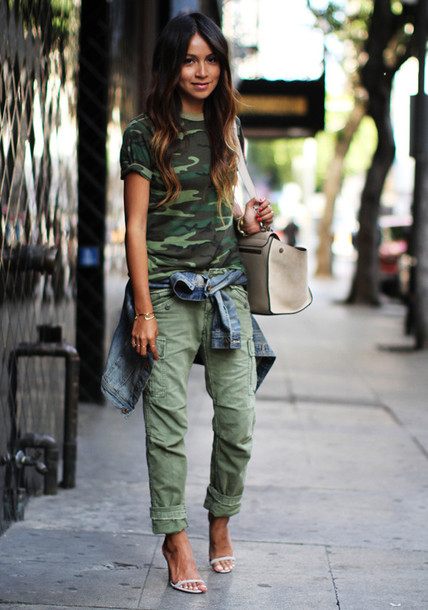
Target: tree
x: 380, y: 39
x: 351, y: 29
x: 390, y: 43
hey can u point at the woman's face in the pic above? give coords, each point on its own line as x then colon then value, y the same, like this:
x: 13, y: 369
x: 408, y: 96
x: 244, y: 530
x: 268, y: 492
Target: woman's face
x: 199, y: 76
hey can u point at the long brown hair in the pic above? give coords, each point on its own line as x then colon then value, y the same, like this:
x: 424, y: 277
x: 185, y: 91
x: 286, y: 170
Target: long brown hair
x: 164, y: 105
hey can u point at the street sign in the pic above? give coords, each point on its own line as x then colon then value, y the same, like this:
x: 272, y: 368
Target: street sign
x: 281, y: 108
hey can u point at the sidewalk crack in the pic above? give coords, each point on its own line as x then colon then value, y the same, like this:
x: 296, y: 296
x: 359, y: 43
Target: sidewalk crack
x: 333, y: 580
x: 155, y: 550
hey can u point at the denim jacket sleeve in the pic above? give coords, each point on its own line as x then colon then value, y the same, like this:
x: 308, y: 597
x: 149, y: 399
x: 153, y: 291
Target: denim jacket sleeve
x: 265, y: 356
x: 126, y: 372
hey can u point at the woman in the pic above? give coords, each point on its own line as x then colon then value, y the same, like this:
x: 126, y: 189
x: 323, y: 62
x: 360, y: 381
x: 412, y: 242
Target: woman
x: 179, y: 166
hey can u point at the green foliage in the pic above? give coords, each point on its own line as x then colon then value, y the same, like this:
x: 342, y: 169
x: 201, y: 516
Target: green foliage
x: 331, y: 18
x: 326, y: 142
x: 343, y: 23
x: 271, y: 161
x: 48, y: 19
x: 363, y: 146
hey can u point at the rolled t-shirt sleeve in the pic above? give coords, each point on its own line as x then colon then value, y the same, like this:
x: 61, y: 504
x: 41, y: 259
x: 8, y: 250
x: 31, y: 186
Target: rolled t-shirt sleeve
x: 135, y: 152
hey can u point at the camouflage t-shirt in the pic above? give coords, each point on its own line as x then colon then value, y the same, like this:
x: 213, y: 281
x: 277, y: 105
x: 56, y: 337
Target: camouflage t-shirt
x: 187, y: 234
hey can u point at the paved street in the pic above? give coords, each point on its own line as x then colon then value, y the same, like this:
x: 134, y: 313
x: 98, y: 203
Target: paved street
x: 336, y: 506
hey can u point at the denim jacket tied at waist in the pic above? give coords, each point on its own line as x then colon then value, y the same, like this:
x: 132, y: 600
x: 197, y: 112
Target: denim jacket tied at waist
x: 126, y: 372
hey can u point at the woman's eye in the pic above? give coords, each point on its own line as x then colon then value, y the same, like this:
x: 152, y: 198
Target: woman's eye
x: 212, y: 59
x: 188, y: 60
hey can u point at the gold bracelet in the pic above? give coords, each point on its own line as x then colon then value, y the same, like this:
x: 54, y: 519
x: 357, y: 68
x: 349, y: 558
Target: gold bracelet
x: 239, y: 227
x: 147, y: 316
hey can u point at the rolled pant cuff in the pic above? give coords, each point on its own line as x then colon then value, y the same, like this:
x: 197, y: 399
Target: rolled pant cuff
x: 168, y: 519
x: 220, y: 505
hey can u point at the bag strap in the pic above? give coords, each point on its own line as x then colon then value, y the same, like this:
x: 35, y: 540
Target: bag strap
x: 245, y: 176
x: 242, y: 169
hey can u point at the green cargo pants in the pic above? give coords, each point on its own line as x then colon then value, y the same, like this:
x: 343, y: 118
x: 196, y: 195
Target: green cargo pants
x: 230, y: 376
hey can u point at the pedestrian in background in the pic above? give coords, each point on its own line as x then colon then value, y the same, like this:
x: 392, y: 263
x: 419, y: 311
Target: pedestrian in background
x: 290, y: 233
x: 187, y: 282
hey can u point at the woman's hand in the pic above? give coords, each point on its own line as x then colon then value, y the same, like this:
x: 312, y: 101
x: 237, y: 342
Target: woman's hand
x: 144, y: 333
x: 257, y: 211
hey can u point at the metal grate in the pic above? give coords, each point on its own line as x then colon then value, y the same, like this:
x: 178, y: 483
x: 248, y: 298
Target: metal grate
x: 38, y: 198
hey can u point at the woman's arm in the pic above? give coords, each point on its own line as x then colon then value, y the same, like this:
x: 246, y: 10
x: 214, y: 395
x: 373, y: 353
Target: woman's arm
x: 136, y: 199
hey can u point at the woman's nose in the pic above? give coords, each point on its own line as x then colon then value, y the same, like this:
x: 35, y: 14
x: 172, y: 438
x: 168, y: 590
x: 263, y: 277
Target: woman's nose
x: 201, y: 69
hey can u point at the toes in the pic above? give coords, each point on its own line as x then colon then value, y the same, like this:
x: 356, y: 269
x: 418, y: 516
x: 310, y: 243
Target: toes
x: 223, y: 566
x: 194, y: 586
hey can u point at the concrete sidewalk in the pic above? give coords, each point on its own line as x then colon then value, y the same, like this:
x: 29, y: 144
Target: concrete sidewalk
x: 336, y: 506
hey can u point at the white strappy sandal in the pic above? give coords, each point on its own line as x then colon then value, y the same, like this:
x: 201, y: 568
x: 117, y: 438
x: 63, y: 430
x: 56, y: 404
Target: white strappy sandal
x: 218, y: 560
x: 179, y: 586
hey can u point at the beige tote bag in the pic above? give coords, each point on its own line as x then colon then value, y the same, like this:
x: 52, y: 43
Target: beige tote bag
x: 277, y: 274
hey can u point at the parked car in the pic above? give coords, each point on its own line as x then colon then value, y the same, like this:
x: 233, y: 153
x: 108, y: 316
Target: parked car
x: 395, y: 233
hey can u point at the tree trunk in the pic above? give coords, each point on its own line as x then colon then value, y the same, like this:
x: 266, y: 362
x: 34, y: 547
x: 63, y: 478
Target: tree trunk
x: 332, y: 186
x: 365, y: 286
x: 377, y: 78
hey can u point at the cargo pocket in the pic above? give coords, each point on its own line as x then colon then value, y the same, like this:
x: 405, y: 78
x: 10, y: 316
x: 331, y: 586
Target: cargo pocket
x: 157, y: 383
x: 252, y: 372
x: 240, y: 294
